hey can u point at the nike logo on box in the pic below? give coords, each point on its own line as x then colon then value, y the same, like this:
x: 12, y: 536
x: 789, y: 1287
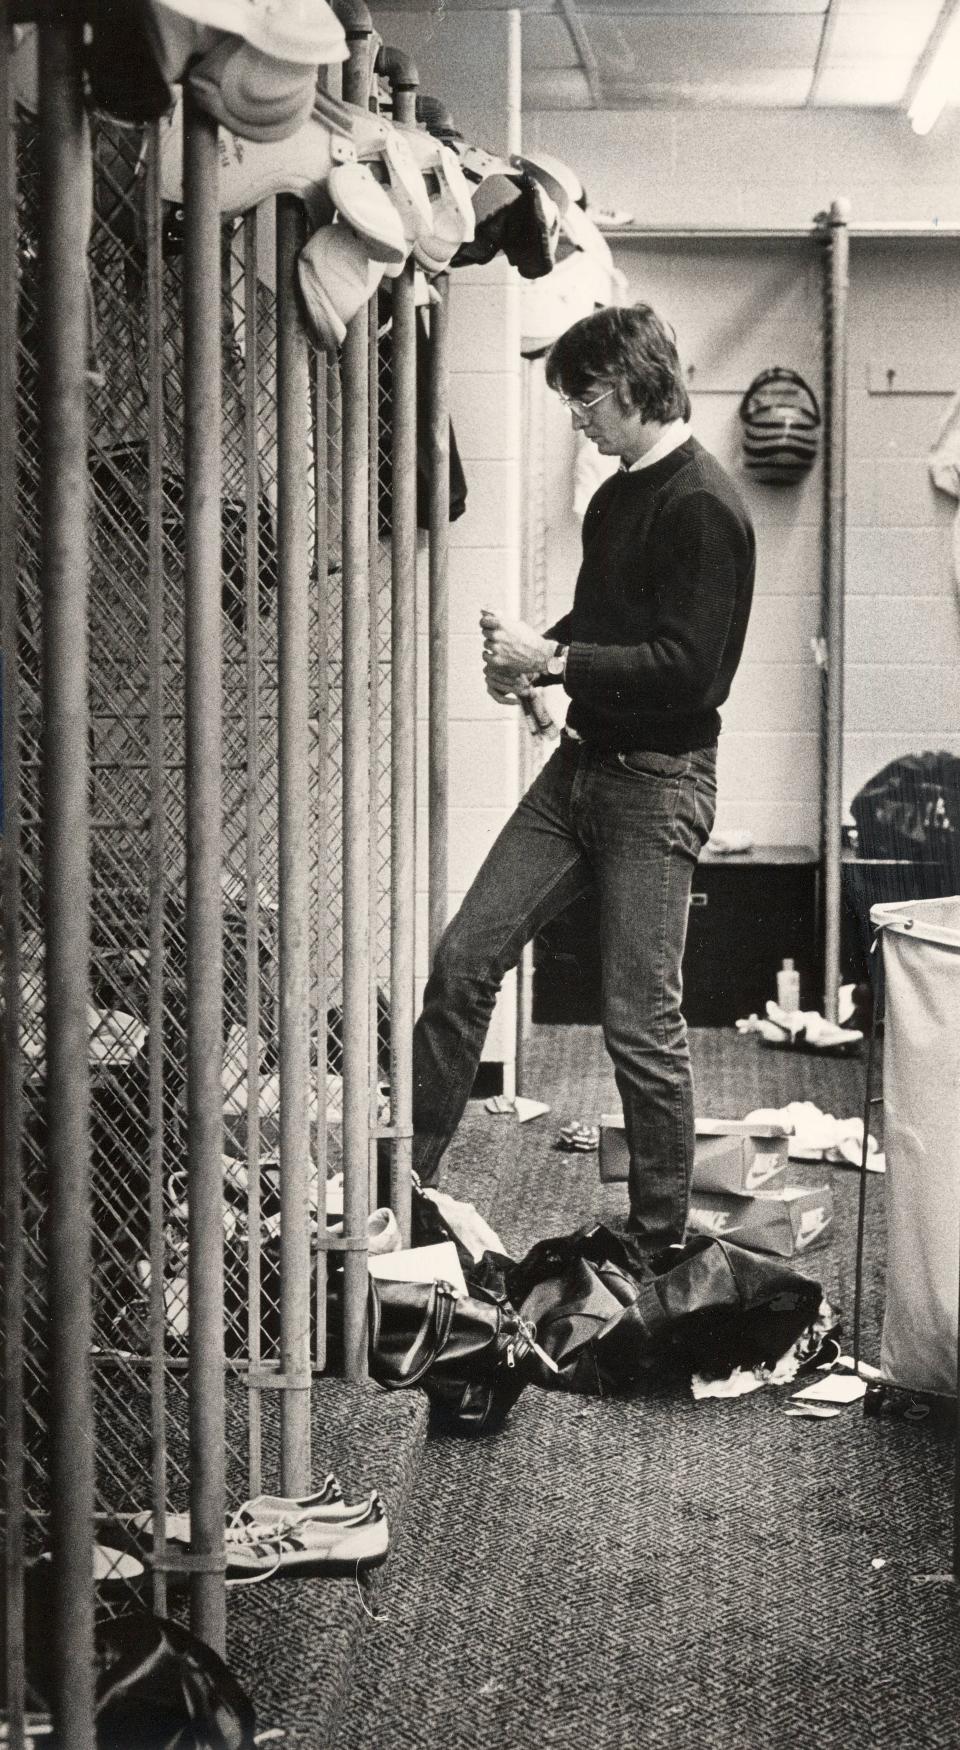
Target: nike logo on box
x: 813, y: 1223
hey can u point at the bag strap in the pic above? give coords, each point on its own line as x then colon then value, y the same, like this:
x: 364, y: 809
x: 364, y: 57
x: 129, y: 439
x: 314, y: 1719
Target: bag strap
x: 778, y: 374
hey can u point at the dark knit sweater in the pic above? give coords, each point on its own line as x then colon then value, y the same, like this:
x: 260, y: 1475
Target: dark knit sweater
x: 661, y: 605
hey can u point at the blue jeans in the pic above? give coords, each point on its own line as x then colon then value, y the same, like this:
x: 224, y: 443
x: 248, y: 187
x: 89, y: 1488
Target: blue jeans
x: 629, y: 827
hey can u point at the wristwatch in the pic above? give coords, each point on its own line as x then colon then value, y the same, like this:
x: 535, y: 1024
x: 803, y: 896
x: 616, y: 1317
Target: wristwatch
x: 557, y: 663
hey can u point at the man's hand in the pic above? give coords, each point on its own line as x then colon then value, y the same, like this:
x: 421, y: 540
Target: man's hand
x: 512, y: 650
x: 508, y: 692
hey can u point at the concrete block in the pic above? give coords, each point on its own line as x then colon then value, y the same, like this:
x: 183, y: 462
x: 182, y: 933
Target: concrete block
x: 492, y: 516
x: 769, y: 768
x: 485, y: 410
x: 773, y: 696
x: 883, y: 561
x: 906, y: 496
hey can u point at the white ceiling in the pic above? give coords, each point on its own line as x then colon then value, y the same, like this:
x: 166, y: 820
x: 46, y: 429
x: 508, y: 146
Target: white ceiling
x: 624, y: 54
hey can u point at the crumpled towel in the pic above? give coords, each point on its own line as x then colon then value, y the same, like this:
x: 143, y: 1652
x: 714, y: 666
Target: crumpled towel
x: 800, y: 1028
x: 944, y: 464
x: 819, y: 1136
x: 731, y: 843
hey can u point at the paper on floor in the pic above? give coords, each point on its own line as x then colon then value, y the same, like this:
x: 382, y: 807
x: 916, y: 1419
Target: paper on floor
x: 438, y: 1263
x: 833, y: 1388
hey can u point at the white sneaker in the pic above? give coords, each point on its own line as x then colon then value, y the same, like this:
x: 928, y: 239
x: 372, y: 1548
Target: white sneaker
x: 313, y: 1547
x: 265, y: 1514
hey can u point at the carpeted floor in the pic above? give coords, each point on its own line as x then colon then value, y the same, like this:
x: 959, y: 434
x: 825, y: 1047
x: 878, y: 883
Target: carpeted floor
x: 652, y: 1571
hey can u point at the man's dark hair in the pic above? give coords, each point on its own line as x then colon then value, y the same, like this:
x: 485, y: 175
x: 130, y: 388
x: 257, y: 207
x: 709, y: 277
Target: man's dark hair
x: 628, y: 347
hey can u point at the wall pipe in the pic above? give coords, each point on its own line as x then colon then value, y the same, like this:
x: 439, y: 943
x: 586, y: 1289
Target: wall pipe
x: 65, y: 217
x: 293, y: 547
x: 202, y: 638
x: 12, y: 1281
x: 404, y: 82
x: 439, y: 613
x: 835, y: 481
x: 357, y: 1069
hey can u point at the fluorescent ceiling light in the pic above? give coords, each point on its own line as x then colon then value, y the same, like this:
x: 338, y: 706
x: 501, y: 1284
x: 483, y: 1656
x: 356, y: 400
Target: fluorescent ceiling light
x: 940, y: 79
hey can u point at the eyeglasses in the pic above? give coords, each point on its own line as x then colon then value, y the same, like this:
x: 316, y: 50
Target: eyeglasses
x: 578, y: 408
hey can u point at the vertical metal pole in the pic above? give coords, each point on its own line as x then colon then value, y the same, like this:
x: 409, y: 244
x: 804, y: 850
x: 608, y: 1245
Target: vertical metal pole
x: 439, y: 645
x: 403, y: 704
x: 251, y: 414
x: 530, y: 610
x: 321, y: 513
x: 156, y: 895
x: 65, y: 212
x: 293, y: 536
x: 12, y: 1654
x: 356, y: 799
x: 373, y: 897
x: 835, y: 471
x: 201, y: 469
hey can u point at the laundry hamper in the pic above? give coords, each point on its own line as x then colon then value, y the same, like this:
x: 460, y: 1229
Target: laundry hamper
x: 921, y: 1100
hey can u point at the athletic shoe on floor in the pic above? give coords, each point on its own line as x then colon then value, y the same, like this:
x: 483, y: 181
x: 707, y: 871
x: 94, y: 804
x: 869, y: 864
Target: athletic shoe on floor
x: 307, y: 31
x: 329, y: 1494
x: 313, y: 1547
x: 265, y: 1515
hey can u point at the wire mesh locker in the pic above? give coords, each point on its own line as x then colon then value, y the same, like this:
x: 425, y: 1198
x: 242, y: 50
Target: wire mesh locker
x: 258, y: 1096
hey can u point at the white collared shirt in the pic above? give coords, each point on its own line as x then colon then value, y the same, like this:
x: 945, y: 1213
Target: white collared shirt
x: 671, y: 437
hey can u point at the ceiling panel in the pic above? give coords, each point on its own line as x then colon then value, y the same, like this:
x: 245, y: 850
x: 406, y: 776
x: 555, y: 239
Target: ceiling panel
x: 766, y: 9
x: 688, y: 50
x: 624, y: 53
x: 760, y: 86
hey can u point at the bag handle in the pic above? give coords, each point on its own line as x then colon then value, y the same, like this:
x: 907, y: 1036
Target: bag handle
x: 779, y: 373
x: 431, y: 1339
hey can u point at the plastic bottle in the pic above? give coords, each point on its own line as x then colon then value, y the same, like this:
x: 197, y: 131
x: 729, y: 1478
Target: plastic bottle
x: 788, y: 987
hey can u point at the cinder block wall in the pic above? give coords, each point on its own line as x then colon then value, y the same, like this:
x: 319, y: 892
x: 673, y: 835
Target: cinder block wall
x: 740, y: 307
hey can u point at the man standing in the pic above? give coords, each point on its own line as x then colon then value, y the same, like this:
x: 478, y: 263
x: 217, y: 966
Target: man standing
x: 624, y: 806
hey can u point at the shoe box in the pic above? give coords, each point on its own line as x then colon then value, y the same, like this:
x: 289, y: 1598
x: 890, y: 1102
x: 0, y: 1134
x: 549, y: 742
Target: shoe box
x: 789, y: 1221
x: 730, y: 1156
x: 748, y: 911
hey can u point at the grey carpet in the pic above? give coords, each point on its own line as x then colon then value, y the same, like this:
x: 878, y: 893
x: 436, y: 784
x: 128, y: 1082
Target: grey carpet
x: 650, y: 1571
